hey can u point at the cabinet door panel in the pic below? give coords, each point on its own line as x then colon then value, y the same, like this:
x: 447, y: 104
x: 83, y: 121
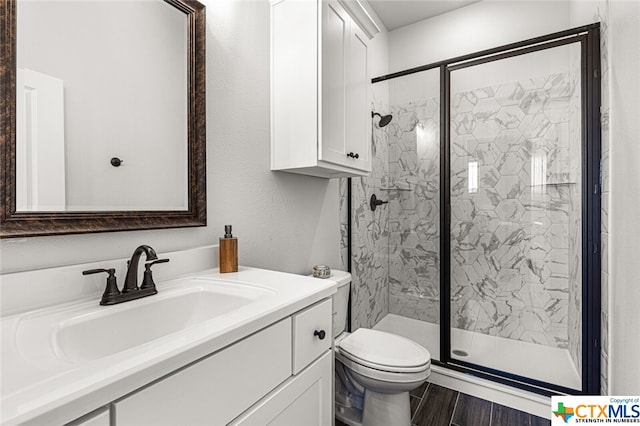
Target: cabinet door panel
x: 294, y: 76
x: 335, y: 32
x: 358, y: 109
x: 217, y: 389
x: 304, y: 399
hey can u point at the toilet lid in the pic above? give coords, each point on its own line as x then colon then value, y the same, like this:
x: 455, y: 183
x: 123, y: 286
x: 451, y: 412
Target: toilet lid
x: 385, y: 351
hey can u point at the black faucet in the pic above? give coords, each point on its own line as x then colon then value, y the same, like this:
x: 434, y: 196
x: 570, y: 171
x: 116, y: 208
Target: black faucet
x: 131, y: 281
x: 130, y: 291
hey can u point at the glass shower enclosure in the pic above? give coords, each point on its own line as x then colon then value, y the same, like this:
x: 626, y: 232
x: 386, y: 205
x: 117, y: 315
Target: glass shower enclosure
x: 493, y: 213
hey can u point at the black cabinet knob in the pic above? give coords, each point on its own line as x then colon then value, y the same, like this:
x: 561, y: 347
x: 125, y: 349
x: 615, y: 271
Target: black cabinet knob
x: 320, y: 333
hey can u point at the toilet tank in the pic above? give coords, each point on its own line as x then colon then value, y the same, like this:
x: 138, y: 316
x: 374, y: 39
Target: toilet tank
x: 340, y: 301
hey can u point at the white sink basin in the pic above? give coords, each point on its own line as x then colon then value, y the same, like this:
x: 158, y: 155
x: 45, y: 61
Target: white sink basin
x: 88, y: 332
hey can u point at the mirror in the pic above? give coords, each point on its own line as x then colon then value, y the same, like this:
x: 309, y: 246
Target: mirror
x: 103, y: 116
x: 101, y: 98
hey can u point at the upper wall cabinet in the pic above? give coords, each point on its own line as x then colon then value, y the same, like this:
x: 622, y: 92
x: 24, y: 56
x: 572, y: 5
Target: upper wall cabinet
x: 320, y: 107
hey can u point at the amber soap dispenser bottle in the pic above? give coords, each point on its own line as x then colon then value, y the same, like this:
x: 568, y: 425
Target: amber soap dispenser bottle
x: 228, y: 251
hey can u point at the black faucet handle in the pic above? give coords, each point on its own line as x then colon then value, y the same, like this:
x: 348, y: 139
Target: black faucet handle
x: 148, y: 265
x: 111, y: 291
x: 147, y: 281
x: 110, y: 271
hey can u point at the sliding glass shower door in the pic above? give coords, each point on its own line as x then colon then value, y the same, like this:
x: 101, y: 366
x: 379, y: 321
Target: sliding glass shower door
x: 515, y: 174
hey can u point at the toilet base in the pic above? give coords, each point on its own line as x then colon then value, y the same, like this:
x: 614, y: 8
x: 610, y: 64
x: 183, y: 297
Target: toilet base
x: 358, y: 402
x: 349, y: 416
x: 384, y: 409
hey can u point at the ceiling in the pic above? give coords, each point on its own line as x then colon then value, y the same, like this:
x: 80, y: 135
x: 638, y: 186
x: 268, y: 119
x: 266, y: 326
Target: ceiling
x: 398, y: 13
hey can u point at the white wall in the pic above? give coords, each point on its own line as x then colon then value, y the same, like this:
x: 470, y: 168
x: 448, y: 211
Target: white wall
x: 378, y: 46
x: 476, y: 27
x: 624, y: 227
x: 283, y: 221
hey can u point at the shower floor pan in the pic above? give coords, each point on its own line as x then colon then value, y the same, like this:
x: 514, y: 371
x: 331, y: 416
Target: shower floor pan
x: 540, y: 362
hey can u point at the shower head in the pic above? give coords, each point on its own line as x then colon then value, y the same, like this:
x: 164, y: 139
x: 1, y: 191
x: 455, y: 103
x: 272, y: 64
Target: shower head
x: 384, y: 119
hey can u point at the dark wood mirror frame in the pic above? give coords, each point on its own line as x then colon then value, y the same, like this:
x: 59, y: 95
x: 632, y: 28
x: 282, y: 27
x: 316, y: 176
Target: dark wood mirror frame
x: 29, y: 224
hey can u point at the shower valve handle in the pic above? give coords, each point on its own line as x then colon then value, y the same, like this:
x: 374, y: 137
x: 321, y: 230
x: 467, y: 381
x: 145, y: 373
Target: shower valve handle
x: 374, y: 202
x: 352, y: 155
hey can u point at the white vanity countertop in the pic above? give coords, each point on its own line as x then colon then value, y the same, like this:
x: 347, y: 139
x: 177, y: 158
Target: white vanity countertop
x: 58, y: 391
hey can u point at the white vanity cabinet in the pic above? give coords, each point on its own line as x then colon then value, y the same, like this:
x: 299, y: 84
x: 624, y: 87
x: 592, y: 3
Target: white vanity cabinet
x: 320, y: 107
x: 256, y: 376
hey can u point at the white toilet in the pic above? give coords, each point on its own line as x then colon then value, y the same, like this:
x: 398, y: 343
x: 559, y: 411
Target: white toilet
x: 375, y: 370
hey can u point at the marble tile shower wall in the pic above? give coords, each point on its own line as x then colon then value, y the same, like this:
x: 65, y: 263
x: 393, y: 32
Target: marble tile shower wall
x: 343, y: 255
x: 414, y: 210
x: 370, y: 236
x: 602, y: 15
x: 509, y: 231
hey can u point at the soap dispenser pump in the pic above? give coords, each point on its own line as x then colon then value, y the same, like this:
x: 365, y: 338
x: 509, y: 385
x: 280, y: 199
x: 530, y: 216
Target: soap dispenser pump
x: 228, y: 251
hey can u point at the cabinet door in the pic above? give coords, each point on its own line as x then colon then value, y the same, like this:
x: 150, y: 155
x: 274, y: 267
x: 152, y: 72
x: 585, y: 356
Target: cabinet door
x: 294, y: 79
x: 358, y: 106
x: 218, y: 388
x: 335, y: 34
x: 303, y: 400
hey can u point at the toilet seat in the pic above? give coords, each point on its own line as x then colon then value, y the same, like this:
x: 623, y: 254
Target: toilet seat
x: 384, y: 351
x: 382, y: 375
x: 387, y: 368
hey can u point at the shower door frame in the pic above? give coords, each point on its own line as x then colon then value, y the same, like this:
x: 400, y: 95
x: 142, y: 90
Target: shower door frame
x: 589, y: 38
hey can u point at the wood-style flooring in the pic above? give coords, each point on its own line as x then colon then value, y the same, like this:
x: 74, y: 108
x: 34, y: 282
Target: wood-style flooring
x: 433, y: 405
